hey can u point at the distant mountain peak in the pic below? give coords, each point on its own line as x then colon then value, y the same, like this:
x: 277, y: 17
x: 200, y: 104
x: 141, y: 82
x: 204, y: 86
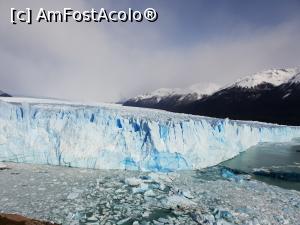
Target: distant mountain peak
x: 270, y: 96
x: 203, y: 88
x: 3, y: 94
x: 274, y: 77
x: 199, y: 89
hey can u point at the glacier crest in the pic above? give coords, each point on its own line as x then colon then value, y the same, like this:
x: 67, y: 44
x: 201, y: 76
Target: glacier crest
x: 117, y: 137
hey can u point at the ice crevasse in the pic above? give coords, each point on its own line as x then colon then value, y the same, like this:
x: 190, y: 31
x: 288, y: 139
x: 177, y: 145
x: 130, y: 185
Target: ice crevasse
x: 109, y: 136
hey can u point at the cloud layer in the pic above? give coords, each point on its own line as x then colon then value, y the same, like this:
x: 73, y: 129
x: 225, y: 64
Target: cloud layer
x: 108, y: 62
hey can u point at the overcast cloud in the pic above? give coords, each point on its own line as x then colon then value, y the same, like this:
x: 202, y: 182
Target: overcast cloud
x: 109, y: 62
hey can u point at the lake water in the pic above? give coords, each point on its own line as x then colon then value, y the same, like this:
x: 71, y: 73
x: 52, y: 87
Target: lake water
x: 274, y: 163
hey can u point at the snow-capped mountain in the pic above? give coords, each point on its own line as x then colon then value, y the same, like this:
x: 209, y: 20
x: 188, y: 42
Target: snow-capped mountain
x: 198, y: 90
x: 3, y: 94
x: 270, y: 96
x: 274, y: 77
x: 166, y: 98
x: 295, y: 79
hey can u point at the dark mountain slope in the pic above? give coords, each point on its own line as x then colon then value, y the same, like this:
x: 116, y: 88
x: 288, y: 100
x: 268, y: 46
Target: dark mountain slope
x: 3, y: 94
x: 274, y: 104
x: 271, y: 96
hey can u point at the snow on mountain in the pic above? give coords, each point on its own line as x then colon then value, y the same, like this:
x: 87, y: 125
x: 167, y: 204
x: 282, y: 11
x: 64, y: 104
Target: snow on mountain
x: 110, y: 136
x: 275, y: 77
x: 159, y: 93
x: 202, y: 89
x: 199, y: 89
x: 295, y: 79
x: 1, y: 92
x: 268, y: 96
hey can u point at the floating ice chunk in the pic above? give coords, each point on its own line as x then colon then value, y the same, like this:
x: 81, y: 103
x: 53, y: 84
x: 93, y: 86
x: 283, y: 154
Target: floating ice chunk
x: 223, y: 222
x: 132, y: 181
x: 179, y: 202
x: 230, y: 175
x: 146, y: 214
x: 221, y: 214
x: 155, y: 222
x: 202, y: 218
x: 73, y: 195
x: 141, y: 189
x: 162, y: 187
x: 123, y: 221
x: 163, y: 177
x: 3, y: 166
x: 145, y: 177
x: 149, y: 193
x: 187, y: 194
x: 262, y: 169
x: 92, y: 219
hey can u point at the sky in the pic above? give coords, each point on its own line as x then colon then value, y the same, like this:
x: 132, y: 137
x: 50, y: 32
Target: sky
x: 195, y: 41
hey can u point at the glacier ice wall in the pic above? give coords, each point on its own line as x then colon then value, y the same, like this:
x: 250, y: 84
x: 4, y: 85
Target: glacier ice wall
x: 117, y: 137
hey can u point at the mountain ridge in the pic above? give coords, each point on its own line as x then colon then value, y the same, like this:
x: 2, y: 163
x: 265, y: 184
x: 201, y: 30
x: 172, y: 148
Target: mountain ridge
x: 268, y: 96
x: 3, y: 94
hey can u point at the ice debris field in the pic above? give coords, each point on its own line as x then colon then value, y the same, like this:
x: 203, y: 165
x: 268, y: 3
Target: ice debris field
x: 110, y: 136
x: 211, y: 196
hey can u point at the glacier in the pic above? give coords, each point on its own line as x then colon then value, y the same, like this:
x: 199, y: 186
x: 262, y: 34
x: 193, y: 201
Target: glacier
x: 110, y: 136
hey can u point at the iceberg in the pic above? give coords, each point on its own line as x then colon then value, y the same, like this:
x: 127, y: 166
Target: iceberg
x: 111, y: 136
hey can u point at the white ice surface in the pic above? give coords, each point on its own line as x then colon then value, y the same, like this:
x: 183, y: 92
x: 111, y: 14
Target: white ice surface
x: 109, y: 136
